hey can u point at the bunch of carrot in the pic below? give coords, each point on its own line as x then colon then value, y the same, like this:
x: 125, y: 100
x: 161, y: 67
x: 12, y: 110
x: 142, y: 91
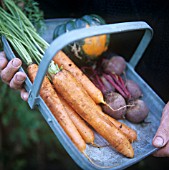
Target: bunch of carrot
x: 74, y: 100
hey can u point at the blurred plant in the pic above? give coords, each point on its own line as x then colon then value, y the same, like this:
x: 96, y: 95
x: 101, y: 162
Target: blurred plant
x: 26, y: 141
x: 33, y: 12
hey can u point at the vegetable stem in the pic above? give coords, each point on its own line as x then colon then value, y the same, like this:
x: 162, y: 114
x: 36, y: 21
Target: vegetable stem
x: 119, y: 81
x: 109, y: 78
x: 20, y: 32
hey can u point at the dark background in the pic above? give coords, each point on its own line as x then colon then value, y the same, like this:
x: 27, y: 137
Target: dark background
x: 154, y: 65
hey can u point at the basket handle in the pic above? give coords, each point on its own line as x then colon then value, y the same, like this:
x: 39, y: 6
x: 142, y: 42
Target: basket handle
x: 75, y: 35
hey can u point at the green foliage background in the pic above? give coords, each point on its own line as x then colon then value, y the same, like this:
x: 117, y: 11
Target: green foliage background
x: 26, y: 141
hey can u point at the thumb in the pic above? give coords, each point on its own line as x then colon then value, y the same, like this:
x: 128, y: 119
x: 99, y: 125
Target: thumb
x: 162, y: 135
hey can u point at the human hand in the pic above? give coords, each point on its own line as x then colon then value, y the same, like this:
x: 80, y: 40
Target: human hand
x: 161, y: 139
x: 10, y: 75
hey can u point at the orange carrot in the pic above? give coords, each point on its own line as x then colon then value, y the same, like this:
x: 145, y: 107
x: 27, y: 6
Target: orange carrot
x: 84, y: 130
x: 73, y: 92
x: 131, y: 134
x: 63, y: 60
x: 51, y: 99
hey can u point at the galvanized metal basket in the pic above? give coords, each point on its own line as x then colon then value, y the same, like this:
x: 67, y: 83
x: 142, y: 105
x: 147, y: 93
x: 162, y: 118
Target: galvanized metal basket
x: 105, y: 157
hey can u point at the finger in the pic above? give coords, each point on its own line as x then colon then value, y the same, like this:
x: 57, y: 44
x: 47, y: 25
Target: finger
x: 24, y: 95
x: 18, y: 80
x: 8, y: 72
x: 3, y: 61
x: 162, y: 135
x: 163, y: 152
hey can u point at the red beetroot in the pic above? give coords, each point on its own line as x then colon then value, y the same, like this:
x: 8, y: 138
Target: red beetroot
x: 116, y: 65
x: 134, y: 89
x: 116, y: 102
x: 107, y: 85
x: 138, y: 112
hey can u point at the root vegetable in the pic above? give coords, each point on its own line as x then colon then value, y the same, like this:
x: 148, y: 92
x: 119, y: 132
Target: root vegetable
x: 66, y: 84
x: 107, y: 85
x: 21, y: 34
x: 115, y: 64
x: 134, y: 89
x: 116, y: 85
x: 85, y: 131
x: 73, y: 92
x: 115, y: 101
x: 138, y: 112
x: 127, y: 131
x: 52, y: 100
x: 63, y: 60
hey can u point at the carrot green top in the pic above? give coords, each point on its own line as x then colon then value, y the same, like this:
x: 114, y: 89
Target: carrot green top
x: 22, y: 35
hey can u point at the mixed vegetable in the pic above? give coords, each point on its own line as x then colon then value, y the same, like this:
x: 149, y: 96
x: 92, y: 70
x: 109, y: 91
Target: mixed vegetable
x: 82, y: 99
x: 122, y: 95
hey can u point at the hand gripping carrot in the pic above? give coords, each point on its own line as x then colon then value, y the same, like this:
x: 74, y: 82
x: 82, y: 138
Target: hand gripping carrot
x: 84, y: 130
x: 73, y: 92
x: 51, y: 99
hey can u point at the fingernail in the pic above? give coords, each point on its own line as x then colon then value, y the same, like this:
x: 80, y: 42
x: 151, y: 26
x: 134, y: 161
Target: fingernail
x: 25, y: 97
x: 16, y: 62
x: 20, y: 78
x: 158, y: 142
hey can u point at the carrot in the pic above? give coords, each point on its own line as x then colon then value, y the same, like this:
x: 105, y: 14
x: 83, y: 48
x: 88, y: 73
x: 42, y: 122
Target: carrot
x: 131, y: 134
x: 28, y: 43
x: 84, y: 130
x: 52, y: 100
x: 73, y: 92
x: 63, y: 60
x: 64, y: 83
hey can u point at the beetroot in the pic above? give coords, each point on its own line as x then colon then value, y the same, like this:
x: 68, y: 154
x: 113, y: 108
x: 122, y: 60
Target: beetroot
x: 138, y: 112
x: 107, y: 85
x: 116, y: 65
x: 134, y: 89
x: 115, y: 101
